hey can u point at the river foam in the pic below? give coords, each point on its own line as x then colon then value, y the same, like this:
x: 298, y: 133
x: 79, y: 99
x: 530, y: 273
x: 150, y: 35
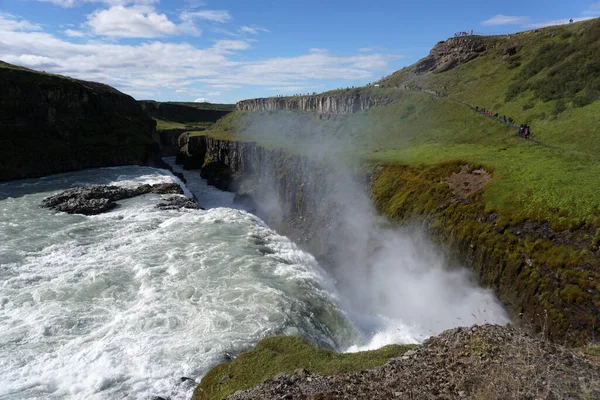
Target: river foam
x: 124, y: 304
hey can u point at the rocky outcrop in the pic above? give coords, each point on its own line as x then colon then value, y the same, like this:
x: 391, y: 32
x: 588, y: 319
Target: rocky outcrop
x: 451, y: 53
x: 51, y: 124
x: 344, y: 102
x: 98, y: 199
x: 179, y: 202
x: 486, y: 362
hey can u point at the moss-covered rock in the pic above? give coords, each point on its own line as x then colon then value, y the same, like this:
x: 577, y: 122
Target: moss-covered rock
x: 286, y: 354
x: 548, y: 280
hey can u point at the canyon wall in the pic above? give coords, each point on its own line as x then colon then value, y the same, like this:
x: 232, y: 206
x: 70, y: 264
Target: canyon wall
x: 51, y: 124
x: 345, y: 102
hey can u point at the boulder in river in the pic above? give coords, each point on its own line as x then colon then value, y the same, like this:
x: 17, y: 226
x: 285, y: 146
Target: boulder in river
x: 98, y: 199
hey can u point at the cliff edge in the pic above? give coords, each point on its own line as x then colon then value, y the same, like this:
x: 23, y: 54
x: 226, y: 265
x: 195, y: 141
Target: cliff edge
x: 51, y: 124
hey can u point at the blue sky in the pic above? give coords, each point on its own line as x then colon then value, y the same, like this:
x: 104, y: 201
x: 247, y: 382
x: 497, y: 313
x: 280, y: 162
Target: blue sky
x: 228, y: 50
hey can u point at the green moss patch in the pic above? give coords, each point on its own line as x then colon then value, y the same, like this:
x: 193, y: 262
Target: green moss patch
x: 285, y: 354
x: 547, y: 279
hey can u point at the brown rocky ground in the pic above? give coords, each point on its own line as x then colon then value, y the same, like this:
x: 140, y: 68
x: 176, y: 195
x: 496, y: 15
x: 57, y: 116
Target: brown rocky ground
x: 485, y: 362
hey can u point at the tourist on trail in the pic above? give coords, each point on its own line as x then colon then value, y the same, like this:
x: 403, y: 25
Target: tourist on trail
x: 527, y: 132
x: 521, y: 129
x: 504, y: 118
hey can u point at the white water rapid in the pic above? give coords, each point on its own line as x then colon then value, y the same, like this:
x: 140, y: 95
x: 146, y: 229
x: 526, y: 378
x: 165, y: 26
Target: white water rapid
x: 123, y: 304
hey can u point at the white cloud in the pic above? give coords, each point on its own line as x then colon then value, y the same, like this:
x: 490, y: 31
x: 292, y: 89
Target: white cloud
x: 227, y: 46
x: 201, y: 100
x: 221, y: 16
x: 148, y: 69
x: 74, y: 33
x: 133, y: 22
x: 252, y: 30
x: 73, y: 3
x: 505, y: 20
x: 13, y: 23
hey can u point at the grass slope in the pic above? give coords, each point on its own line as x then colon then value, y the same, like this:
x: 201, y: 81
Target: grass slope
x: 286, y: 354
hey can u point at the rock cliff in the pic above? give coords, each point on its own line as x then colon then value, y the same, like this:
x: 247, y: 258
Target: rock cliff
x: 291, y: 190
x: 345, y: 102
x: 51, y: 124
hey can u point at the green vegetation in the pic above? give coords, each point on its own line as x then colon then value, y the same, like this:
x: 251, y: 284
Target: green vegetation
x: 286, y: 354
x: 162, y: 125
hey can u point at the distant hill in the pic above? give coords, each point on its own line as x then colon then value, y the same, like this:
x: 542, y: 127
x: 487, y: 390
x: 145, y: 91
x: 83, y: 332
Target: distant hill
x: 52, y: 123
x: 186, y: 113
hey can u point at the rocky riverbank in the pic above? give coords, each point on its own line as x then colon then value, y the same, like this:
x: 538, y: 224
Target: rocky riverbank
x: 482, y: 362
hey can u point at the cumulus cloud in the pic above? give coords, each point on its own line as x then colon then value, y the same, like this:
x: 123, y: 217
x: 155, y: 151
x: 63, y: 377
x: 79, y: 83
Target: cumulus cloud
x: 505, y: 20
x: 133, y: 22
x: 146, y: 68
x: 201, y: 100
x: 10, y: 22
x: 220, y: 16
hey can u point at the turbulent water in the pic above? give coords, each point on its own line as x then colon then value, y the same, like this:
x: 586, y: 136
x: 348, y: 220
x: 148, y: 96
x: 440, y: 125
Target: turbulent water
x: 124, y: 304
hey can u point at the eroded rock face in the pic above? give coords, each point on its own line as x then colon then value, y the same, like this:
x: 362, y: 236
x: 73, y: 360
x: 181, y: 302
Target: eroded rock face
x: 450, y: 54
x: 98, y: 199
x: 343, y: 103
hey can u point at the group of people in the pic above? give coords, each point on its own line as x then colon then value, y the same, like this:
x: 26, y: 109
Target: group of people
x: 524, y: 129
x: 466, y: 33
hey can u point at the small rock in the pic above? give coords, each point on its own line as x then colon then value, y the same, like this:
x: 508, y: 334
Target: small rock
x: 461, y: 393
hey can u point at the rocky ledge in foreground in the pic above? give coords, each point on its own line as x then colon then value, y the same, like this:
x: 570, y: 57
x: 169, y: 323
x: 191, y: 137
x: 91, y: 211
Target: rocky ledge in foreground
x: 486, y: 362
x: 98, y: 199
